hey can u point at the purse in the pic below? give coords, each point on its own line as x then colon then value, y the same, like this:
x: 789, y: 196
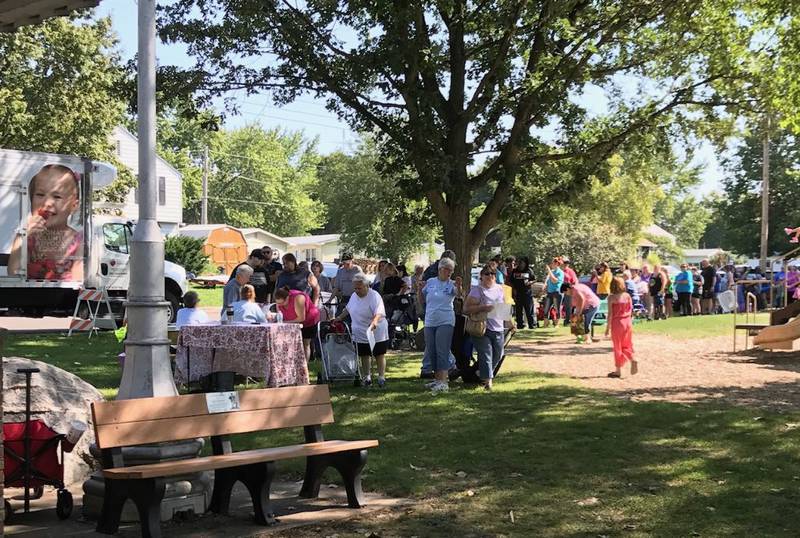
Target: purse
x: 475, y: 325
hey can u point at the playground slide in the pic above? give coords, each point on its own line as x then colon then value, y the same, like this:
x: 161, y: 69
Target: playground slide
x: 778, y: 336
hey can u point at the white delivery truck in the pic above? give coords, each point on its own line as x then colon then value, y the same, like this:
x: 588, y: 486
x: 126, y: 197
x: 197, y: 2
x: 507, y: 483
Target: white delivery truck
x: 51, y: 243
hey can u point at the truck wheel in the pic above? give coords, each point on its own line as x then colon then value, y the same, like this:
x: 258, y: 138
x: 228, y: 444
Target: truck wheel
x: 173, y: 306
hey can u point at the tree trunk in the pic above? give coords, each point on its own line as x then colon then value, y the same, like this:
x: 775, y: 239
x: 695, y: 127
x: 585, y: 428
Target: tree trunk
x: 459, y: 239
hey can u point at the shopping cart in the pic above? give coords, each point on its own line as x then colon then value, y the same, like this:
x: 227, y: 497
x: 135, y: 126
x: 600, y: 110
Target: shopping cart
x: 34, y: 458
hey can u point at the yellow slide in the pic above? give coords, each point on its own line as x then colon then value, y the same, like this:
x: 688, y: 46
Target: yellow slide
x: 779, y: 336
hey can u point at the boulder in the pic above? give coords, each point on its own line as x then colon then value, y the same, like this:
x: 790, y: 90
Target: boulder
x: 57, y: 398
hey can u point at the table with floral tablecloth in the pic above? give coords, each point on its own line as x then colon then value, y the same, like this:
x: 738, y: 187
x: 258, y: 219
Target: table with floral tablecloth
x: 273, y: 352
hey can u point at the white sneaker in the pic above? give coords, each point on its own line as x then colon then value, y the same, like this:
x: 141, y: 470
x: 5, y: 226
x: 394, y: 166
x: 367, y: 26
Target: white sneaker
x: 431, y: 384
x: 440, y: 387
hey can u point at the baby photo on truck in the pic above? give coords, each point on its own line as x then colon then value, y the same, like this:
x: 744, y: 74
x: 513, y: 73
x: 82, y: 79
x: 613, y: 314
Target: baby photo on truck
x: 54, y: 236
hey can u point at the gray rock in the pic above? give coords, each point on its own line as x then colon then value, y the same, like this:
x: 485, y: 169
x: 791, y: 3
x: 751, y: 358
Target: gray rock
x: 57, y: 398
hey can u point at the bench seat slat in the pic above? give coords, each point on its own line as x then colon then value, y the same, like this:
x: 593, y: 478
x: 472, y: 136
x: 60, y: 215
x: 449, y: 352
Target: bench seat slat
x: 246, y: 457
x: 162, y: 407
x: 180, y: 428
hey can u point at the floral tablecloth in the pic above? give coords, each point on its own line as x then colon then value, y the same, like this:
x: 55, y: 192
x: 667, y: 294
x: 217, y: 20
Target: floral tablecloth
x: 273, y: 352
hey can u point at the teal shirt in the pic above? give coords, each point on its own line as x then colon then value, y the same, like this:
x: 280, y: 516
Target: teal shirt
x: 555, y: 287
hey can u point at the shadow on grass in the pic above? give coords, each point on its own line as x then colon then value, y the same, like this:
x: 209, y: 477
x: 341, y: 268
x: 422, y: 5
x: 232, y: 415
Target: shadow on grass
x: 536, y: 447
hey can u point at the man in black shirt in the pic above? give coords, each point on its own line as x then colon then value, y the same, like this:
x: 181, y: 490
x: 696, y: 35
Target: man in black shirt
x: 709, y: 274
x: 259, y: 277
x: 272, y: 267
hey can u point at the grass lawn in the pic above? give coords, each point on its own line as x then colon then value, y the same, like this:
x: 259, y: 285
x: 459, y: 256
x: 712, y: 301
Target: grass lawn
x: 208, y: 296
x: 566, y: 461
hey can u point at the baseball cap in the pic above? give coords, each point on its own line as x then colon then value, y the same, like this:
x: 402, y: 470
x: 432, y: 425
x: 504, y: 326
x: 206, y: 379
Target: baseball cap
x: 449, y: 254
x: 256, y: 253
x: 347, y: 256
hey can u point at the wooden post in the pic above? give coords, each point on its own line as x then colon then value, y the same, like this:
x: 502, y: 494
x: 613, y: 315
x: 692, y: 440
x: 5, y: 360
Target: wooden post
x: 765, y: 197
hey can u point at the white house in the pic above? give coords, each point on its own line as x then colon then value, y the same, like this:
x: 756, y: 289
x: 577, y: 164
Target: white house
x: 169, y: 211
x: 693, y: 256
x: 257, y: 238
x: 324, y: 247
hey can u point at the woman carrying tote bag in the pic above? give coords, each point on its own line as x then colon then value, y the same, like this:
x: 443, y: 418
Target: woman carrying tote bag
x: 480, y: 301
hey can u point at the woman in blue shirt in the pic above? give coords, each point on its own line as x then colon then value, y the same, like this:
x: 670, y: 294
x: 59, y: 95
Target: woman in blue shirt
x: 684, y: 286
x: 555, y: 278
x: 437, y: 294
x: 247, y: 310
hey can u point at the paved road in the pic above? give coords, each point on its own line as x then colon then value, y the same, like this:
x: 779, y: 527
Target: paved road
x: 45, y: 324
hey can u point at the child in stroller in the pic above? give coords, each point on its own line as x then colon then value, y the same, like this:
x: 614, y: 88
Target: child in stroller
x: 401, y: 313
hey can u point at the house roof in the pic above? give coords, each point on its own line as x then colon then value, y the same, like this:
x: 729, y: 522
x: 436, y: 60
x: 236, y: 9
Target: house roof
x: 16, y: 13
x: 312, y: 239
x: 701, y: 252
x: 124, y: 132
x: 657, y: 231
x: 200, y: 231
x: 646, y: 243
x: 251, y: 231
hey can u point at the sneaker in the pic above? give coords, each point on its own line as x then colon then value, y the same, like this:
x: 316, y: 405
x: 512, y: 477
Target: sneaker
x: 440, y: 387
x: 366, y: 382
x: 431, y: 384
x: 381, y: 382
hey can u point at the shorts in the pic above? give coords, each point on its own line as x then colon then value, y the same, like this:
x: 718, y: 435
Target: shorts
x: 380, y: 349
x: 658, y: 300
x: 309, y: 332
x: 695, y: 295
x: 708, y: 294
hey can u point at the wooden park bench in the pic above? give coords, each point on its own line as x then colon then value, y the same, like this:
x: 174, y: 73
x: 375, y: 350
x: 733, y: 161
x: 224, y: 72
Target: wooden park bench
x: 142, y: 421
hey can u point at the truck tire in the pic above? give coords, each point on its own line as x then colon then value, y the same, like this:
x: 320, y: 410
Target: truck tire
x: 174, y: 304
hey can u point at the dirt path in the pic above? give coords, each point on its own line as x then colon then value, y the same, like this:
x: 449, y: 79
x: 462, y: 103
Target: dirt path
x: 676, y: 370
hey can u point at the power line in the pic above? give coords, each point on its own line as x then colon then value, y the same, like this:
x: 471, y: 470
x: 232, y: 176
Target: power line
x: 225, y: 199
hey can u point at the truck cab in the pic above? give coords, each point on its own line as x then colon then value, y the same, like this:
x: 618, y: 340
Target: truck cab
x: 42, y: 267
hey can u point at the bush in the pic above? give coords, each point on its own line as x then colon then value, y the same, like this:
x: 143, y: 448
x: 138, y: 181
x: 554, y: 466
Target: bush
x: 187, y: 252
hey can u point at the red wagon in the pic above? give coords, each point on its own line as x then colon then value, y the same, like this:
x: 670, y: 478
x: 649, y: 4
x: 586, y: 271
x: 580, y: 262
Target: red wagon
x: 34, y: 458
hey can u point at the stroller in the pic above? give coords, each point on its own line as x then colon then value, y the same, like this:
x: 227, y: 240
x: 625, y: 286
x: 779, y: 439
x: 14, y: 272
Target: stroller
x: 338, y: 352
x: 402, y: 313
x: 32, y: 460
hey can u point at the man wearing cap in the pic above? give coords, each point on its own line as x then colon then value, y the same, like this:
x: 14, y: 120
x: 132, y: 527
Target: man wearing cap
x: 571, y: 278
x: 433, y: 269
x: 258, y: 279
x: 343, y: 281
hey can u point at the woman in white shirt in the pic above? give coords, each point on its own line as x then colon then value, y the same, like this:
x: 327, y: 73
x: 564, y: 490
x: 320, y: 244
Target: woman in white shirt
x: 191, y: 315
x: 367, y: 314
x: 247, y: 310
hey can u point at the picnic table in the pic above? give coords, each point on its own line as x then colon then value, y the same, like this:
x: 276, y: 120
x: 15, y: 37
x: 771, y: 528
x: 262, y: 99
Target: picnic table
x: 273, y: 352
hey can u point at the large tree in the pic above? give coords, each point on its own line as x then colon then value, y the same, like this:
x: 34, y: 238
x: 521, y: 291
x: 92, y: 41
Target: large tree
x: 364, y: 207
x: 465, y: 92
x: 736, y: 220
x: 58, y: 91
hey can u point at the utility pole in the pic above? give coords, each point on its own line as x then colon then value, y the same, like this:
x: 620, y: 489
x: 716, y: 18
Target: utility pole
x: 765, y: 195
x: 204, y: 199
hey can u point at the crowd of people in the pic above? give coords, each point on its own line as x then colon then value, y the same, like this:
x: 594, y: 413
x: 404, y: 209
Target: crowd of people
x: 433, y: 296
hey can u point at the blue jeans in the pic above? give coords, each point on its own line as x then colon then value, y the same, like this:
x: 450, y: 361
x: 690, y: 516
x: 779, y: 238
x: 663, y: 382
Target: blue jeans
x: 490, y: 350
x: 566, y: 300
x: 553, y: 299
x: 437, y: 348
x: 588, y: 317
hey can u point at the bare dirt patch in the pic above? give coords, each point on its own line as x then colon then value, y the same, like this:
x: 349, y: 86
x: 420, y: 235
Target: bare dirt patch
x: 676, y: 370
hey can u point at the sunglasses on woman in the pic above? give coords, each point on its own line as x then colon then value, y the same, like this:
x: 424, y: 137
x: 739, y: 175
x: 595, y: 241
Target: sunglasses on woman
x: 489, y: 274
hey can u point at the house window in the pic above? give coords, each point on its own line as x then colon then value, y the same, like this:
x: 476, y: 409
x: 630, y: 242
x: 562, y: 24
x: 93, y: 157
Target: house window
x: 162, y: 190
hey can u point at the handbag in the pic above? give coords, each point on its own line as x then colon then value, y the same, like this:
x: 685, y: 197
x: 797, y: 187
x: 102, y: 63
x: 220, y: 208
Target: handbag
x: 475, y: 325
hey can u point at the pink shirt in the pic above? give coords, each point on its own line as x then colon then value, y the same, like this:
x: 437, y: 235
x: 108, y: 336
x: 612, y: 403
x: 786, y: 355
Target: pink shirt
x: 590, y: 300
x: 289, y: 314
x: 570, y: 275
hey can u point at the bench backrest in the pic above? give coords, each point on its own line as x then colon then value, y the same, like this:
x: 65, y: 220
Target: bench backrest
x: 176, y: 418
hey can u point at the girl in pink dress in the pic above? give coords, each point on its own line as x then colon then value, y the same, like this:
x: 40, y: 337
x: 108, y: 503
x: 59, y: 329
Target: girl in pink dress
x: 620, y: 323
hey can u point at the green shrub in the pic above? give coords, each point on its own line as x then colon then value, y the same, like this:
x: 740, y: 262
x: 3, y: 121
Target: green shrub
x: 186, y: 251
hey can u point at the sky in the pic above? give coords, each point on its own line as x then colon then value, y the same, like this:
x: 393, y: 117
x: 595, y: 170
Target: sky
x: 310, y: 116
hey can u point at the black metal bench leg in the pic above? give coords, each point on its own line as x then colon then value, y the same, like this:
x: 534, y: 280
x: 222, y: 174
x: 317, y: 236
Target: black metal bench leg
x: 224, y: 480
x: 147, y: 494
x: 315, y: 467
x: 114, y: 497
x: 258, y: 479
x: 349, y: 464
